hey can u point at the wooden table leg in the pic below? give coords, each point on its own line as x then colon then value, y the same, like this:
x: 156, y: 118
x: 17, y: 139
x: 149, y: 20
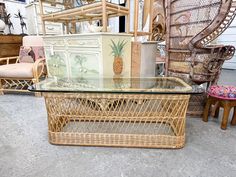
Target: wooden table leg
x: 206, y: 109
x: 37, y: 94
x: 233, y: 121
x: 225, y: 115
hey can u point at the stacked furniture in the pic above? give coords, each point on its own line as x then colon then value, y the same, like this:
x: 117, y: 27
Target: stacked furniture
x: 101, y: 10
x: 35, y: 22
x: 191, y: 26
x: 143, y: 53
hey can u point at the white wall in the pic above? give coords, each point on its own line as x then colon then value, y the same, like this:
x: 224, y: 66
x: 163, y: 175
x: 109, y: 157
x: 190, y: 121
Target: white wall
x: 114, y: 22
x: 12, y: 7
x: 229, y: 38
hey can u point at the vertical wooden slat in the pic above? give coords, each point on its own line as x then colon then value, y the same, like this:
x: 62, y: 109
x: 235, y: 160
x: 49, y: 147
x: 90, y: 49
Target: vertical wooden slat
x: 146, y: 11
x: 104, y: 16
x: 128, y: 17
x: 41, y: 15
x: 150, y: 19
x: 67, y: 28
x: 168, y: 6
x: 135, y: 59
x: 136, y: 9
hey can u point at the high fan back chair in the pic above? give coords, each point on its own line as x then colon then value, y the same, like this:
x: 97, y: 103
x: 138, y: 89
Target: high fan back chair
x: 27, y: 69
x: 191, y: 27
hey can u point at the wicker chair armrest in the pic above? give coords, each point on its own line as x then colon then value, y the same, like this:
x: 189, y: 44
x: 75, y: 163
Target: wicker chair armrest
x: 38, y: 67
x: 224, y: 52
x: 8, y: 59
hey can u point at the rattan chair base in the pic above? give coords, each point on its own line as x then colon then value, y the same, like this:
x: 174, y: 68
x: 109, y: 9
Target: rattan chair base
x: 196, y: 105
x: 20, y: 84
x: 123, y: 120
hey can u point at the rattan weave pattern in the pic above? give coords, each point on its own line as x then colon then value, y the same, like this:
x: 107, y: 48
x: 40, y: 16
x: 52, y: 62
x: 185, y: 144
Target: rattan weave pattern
x: 191, y: 26
x: 130, y: 120
x: 16, y: 84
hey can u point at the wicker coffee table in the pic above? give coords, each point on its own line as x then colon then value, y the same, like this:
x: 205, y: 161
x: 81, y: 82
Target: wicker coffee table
x: 128, y: 112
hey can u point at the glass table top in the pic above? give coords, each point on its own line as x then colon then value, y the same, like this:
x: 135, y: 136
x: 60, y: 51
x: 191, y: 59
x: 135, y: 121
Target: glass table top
x: 157, y: 85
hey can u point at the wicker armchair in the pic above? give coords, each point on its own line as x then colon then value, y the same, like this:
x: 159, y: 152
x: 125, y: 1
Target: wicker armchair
x: 191, y: 26
x: 19, y: 76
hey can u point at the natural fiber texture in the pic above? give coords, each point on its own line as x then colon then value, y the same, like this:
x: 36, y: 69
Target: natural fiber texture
x: 191, y: 26
x: 196, y: 105
x: 130, y: 120
x: 16, y: 84
x: 21, y: 84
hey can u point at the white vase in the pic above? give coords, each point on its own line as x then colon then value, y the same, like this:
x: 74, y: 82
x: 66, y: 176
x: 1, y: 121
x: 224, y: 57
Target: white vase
x: 2, y: 26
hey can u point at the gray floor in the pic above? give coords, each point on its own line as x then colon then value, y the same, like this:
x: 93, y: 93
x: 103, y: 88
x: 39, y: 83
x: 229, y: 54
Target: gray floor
x: 25, y: 151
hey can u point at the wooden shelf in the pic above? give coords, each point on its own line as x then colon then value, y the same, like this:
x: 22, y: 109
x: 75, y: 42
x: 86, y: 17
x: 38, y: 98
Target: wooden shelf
x: 95, y: 11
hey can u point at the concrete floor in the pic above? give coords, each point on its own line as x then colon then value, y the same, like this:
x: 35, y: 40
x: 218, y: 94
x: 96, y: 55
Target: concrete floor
x: 25, y: 151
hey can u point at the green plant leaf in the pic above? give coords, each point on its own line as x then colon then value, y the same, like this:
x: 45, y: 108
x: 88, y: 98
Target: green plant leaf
x: 118, y: 48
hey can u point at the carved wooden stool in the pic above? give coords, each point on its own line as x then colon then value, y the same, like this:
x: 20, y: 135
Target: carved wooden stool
x: 221, y: 96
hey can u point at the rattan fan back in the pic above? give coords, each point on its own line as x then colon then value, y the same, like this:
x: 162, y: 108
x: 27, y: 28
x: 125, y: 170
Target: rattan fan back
x: 191, y: 26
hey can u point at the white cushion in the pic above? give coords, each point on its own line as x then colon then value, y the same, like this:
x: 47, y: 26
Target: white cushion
x: 18, y: 70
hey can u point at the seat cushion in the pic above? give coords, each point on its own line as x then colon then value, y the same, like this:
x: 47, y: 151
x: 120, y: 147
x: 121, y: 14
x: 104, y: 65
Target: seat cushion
x: 18, y: 70
x: 223, y: 92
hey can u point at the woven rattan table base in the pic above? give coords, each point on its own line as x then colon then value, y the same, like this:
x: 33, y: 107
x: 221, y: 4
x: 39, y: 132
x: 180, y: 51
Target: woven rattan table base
x: 129, y: 120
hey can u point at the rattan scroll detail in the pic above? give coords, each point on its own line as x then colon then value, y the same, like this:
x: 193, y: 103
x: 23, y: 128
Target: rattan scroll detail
x: 130, y: 120
x: 191, y: 26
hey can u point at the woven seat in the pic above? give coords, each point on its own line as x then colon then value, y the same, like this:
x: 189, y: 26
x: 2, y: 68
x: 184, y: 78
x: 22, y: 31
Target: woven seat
x: 223, y: 92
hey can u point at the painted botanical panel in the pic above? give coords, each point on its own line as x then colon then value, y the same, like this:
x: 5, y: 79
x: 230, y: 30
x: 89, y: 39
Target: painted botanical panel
x: 84, y: 64
x: 56, y: 64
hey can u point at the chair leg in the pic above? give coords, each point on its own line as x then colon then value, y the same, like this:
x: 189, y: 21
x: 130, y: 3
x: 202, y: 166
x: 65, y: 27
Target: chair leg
x: 233, y: 121
x: 225, y: 116
x: 206, y: 110
x: 36, y: 94
x: 1, y: 92
x: 217, y: 111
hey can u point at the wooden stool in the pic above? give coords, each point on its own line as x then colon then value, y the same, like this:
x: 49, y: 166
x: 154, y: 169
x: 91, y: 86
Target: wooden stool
x: 221, y: 96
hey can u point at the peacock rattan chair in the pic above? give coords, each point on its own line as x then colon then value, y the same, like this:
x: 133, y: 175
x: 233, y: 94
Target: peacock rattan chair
x: 191, y: 27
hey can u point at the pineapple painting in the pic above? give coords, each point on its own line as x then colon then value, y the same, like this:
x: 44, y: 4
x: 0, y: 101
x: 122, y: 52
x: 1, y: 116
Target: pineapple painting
x: 117, y: 52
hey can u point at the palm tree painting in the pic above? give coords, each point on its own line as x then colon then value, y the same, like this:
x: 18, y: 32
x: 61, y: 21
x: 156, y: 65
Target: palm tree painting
x: 57, y: 66
x: 80, y: 61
